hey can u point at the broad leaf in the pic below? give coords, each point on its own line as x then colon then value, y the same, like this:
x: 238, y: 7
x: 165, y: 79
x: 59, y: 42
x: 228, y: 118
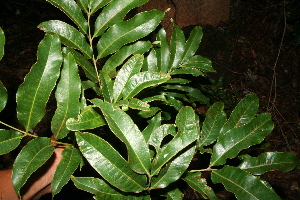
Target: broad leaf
x: 113, y: 13
x: 69, y: 36
x: 67, y: 96
x: 269, y: 161
x: 192, y: 43
x: 9, y: 140
x: 109, y: 163
x: 2, y: 41
x: 162, y: 52
x: 33, y: 94
x: 31, y: 157
x: 242, y: 114
x: 89, y: 118
x: 127, y: 131
x: 128, y: 31
x: 71, y: 158
x: 3, y: 96
x: 73, y: 11
x: 242, y: 184
x: 177, y: 47
x: 199, y: 184
x: 240, y: 138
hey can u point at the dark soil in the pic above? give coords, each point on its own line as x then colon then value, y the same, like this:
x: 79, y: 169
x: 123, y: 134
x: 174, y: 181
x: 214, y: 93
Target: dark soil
x: 256, y: 51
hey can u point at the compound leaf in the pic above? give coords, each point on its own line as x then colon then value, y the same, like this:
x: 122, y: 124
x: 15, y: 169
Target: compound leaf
x: 9, y: 140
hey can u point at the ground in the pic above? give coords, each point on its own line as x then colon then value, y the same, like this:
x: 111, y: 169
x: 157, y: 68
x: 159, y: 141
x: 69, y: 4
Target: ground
x: 255, y: 51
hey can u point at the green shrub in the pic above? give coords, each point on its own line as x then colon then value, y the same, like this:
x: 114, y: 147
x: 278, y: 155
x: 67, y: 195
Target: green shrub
x: 137, y: 80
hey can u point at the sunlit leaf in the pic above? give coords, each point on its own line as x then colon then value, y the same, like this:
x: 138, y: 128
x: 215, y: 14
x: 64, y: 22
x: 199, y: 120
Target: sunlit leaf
x: 9, y: 140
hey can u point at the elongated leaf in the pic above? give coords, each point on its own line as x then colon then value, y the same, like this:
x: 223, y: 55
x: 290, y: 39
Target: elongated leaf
x: 269, y: 161
x: 83, y: 5
x: 215, y: 118
x: 33, y: 94
x: 131, y: 67
x: 174, y: 170
x: 153, y: 124
x: 162, y: 52
x: 186, y: 70
x: 89, y: 118
x: 240, y: 138
x: 177, y: 47
x: 71, y: 158
x: 242, y: 184
x: 138, y: 104
x: 125, y: 129
x: 200, y: 63
x: 146, y: 114
x: 118, y: 58
x: 9, y: 140
x: 3, y: 96
x: 73, y: 11
x: 95, y: 5
x: 187, y: 123
x: 69, y: 35
x: 67, y: 96
x: 109, y: 163
x: 128, y: 31
x: 192, y: 43
x: 2, y: 41
x: 150, y: 63
x: 31, y: 157
x: 174, y: 194
x: 200, y: 185
x: 242, y: 114
x: 106, y: 86
x: 142, y: 80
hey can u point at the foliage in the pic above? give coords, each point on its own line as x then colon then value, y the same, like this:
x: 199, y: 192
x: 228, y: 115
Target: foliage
x: 137, y: 80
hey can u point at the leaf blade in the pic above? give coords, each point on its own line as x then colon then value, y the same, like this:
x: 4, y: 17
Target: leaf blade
x: 2, y: 42
x: 9, y: 140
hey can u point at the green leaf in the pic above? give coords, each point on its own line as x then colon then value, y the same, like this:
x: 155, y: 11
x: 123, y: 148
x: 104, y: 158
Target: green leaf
x: 130, y: 68
x: 193, y: 71
x: 146, y: 114
x: 150, y: 63
x: 67, y: 96
x: 177, y: 47
x: 95, y: 5
x: 199, y: 184
x: 178, y: 81
x: 3, y: 96
x: 200, y: 63
x: 242, y: 184
x: 89, y: 118
x: 269, y: 161
x: 128, y: 31
x: 83, y: 5
x: 187, y: 123
x: 2, y: 42
x: 214, y: 120
x: 118, y: 58
x: 114, y: 13
x: 69, y: 36
x: 9, y: 140
x: 31, y: 157
x: 127, y: 131
x: 153, y: 124
x: 162, y: 52
x: 71, y: 158
x: 109, y: 163
x: 240, y: 138
x: 174, y: 194
x: 138, y: 104
x: 106, y: 86
x: 33, y: 94
x: 73, y: 11
x: 242, y: 114
x: 142, y: 80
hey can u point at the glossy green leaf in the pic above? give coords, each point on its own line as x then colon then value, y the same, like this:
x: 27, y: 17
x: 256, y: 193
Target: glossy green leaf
x: 67, y: 96
x: 89, y: 118
x: 174, y: 194
x: 242, y: 184
x: 150, y: 62
x: 95, y: 5
x: 214, y: 120
x: 69, y: 36
x: 130, y: 68
x: 73, y: 11
x: 118, y: 58
x: 242, y: 114
x: 106, y: 86
x: 114, y: 13
x: 3, y: 96
x: 2, y: 42
x: 138, y: 104
x: 83, y: 5
x: 109, y: 163
x: 33, y: 94
x: 71, y: 158
x: 240, y: 138
x: 153, y: 124
x: 269, y: 161
x: 146, y: 114
x: 31, y: 157
x: 178, y: 81
x: 186, y: 70
x: 142, y: 80
x: 200, y: 63
x: 128, y: 31
x: 127, y: 131
x: 199, y: 184
x: 177, y: 47
x: 162, y: 52
x: 173, y: 171
x: 9, y: 140
x: 188, y: 126
x: 88, y: 68
x: 192, y: 43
